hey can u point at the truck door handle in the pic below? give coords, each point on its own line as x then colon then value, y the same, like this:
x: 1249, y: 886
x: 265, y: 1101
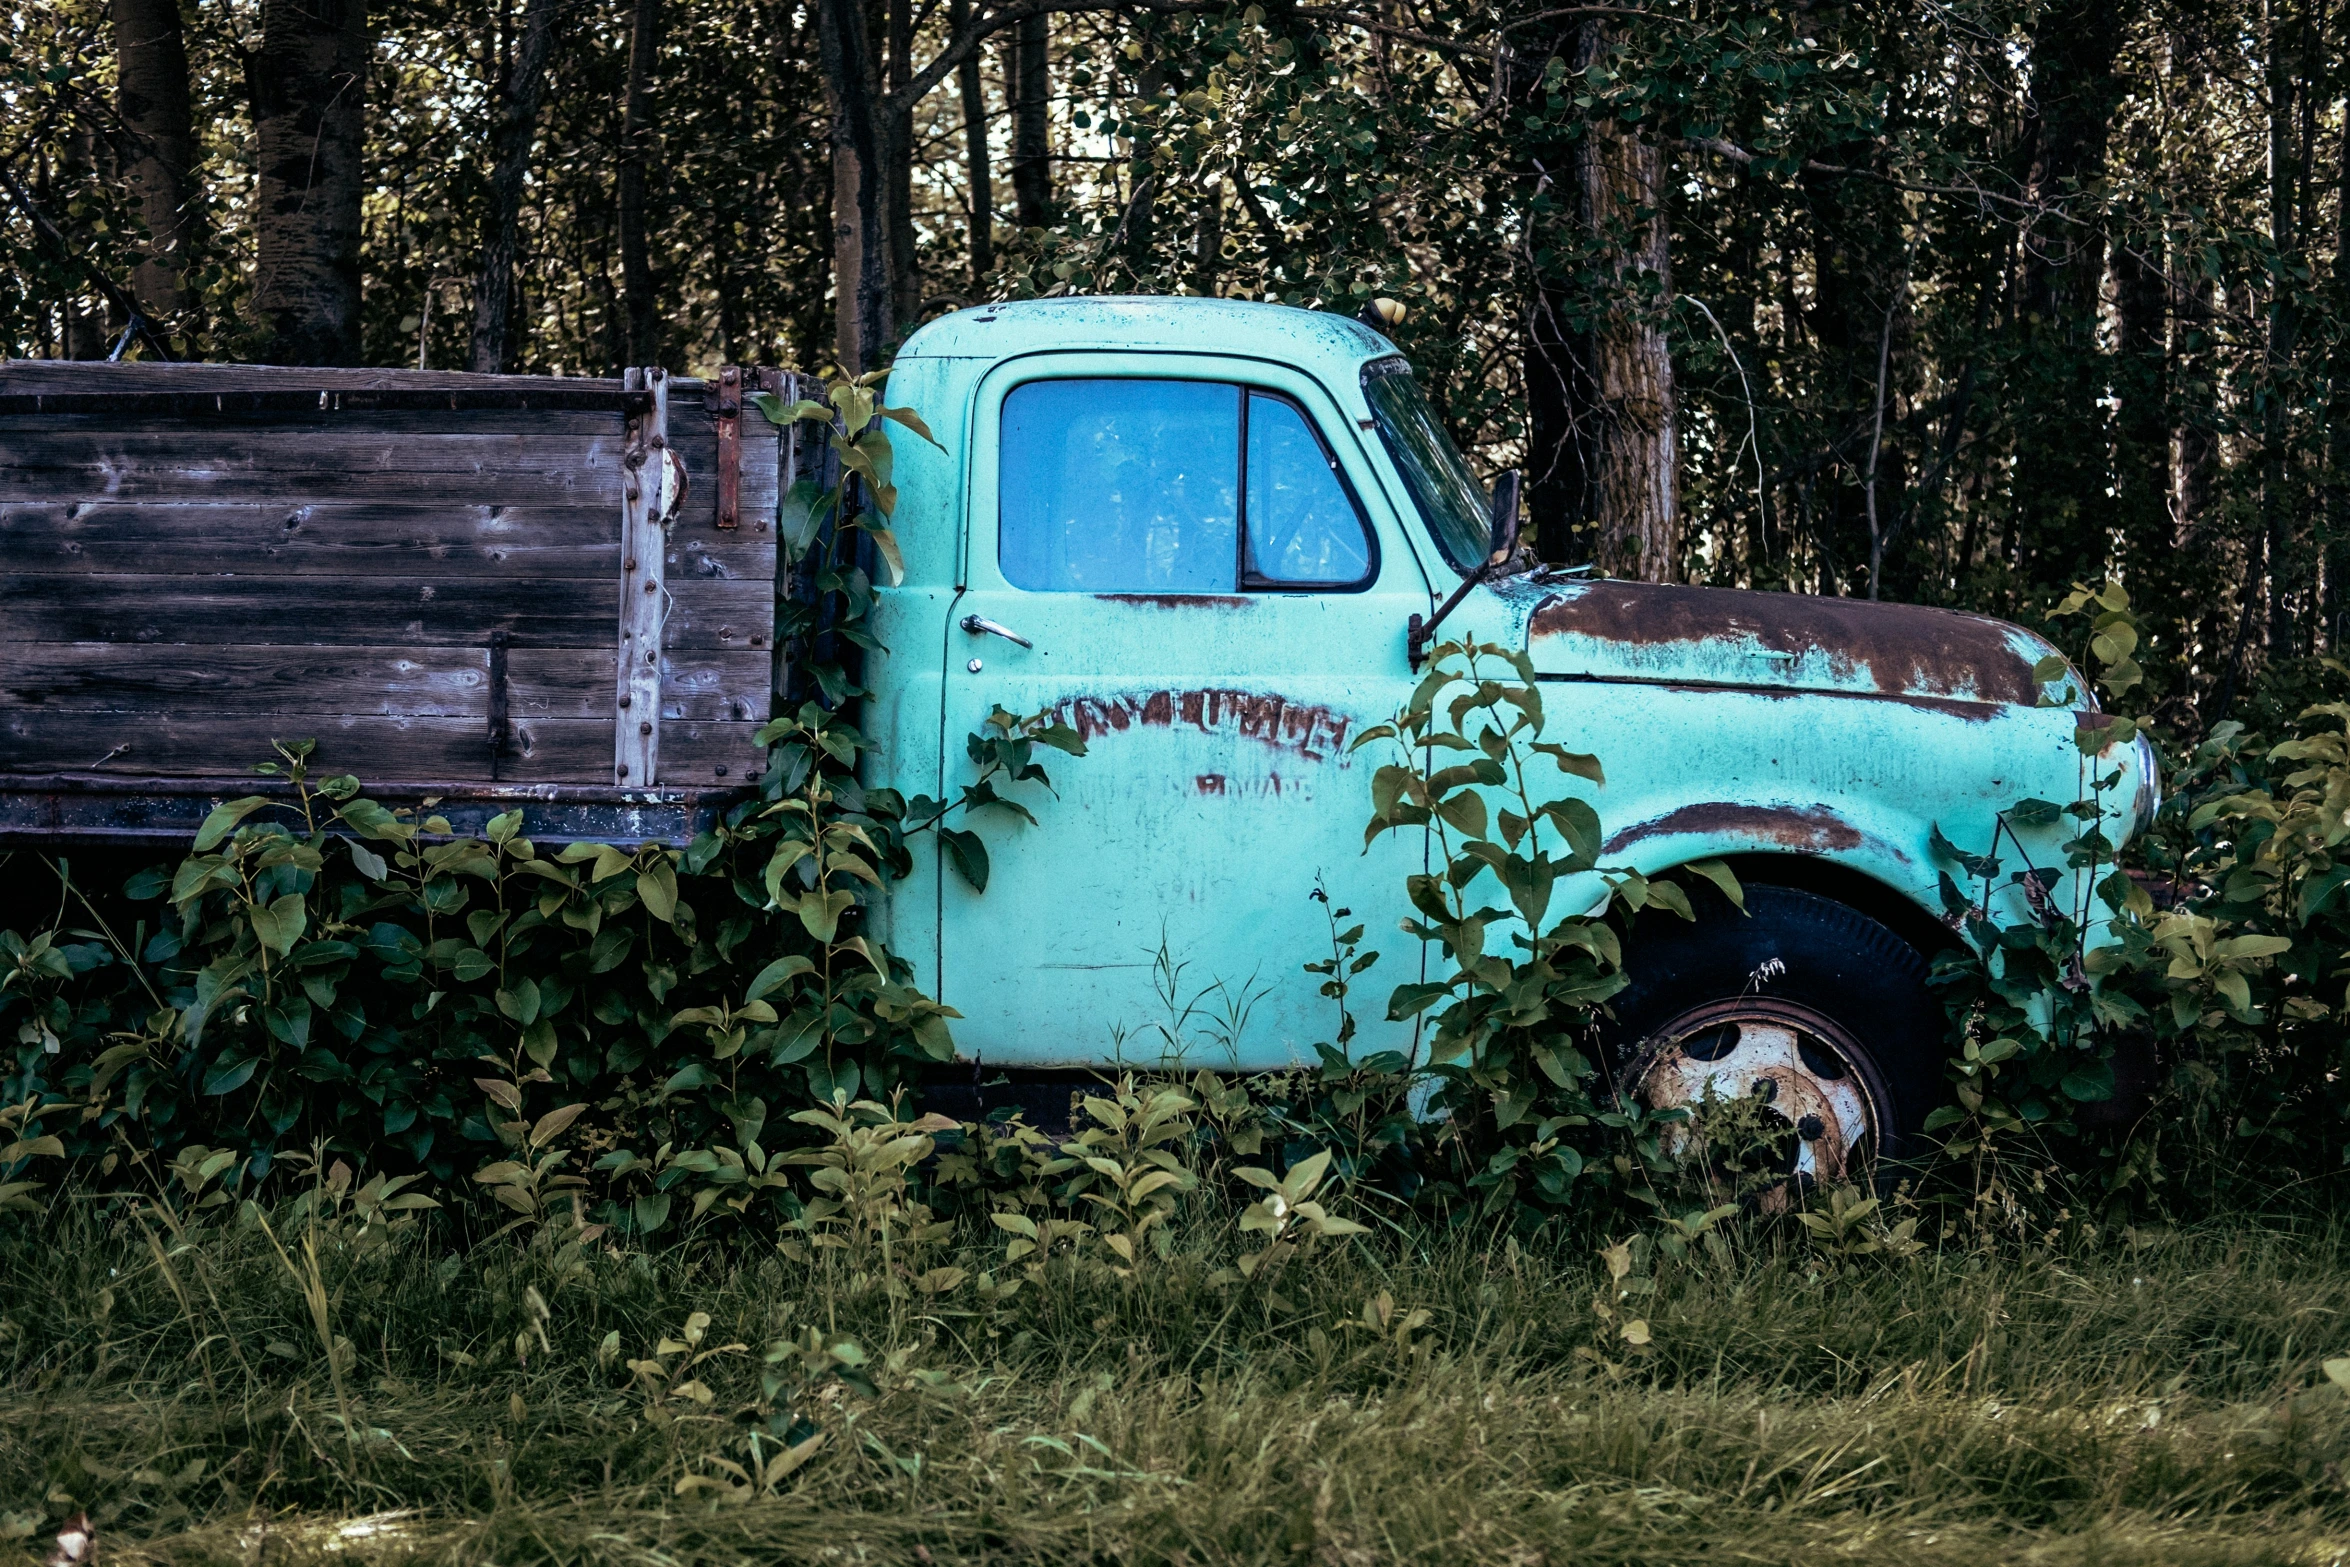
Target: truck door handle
x: 981, y: 626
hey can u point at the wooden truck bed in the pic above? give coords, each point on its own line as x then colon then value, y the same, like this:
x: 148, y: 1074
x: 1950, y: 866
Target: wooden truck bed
x: 458, y: 585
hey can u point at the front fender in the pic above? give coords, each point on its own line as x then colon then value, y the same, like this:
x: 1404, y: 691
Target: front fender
x: 1860, y: 782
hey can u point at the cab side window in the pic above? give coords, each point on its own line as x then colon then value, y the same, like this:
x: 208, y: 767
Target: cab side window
x: 1304, y: 529
x: 1131, y: 486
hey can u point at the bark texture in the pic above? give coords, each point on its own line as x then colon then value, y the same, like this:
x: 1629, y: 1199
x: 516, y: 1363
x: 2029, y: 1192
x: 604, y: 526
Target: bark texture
x: 1634, y: 488
x: 865, y: 320
x: 1032, y: 151
x: 510, y: 145
x: 158, y: 147
x: 636, y: 156
x: 982, y: 193
x: 308, y: 86
x: 2062, y: 516
x: 897, y: 132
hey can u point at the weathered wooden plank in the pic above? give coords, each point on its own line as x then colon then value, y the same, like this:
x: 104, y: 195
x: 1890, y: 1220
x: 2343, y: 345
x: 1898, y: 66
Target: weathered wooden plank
x: 287, y: 610
x: 307, y: 422
x: 707, y: 553
x: 216, y: 744
x: 719, y: 612
x: 546, y: 750
x: 402, y: 539
x: 351, y: 462
x: 46, y: 375
x: 413, y: 682
x: 126, y: 678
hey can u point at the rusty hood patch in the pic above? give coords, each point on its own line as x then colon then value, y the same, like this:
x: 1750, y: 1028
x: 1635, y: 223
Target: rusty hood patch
x: 1654, y: 632
x: 1810, y: 828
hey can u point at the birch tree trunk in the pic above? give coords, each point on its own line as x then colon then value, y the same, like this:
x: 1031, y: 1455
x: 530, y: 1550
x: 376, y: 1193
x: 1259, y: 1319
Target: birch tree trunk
x: 159, y: 147
x: 308, y: 86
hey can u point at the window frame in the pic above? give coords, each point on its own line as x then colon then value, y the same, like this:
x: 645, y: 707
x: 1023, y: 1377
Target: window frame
x: 1251, y: 582
x: 1245, y: 580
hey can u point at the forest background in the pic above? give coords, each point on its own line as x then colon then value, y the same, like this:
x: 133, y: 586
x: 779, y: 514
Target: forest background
x: 1946, y: 303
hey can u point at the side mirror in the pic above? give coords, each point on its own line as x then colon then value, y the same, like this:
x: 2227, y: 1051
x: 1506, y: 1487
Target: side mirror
x: 1419, y: 633
x: 1505, y: 518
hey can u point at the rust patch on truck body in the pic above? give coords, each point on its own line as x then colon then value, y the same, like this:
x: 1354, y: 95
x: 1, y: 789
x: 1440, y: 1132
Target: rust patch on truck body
x: 1667, y: 634
x: 1808, y: 828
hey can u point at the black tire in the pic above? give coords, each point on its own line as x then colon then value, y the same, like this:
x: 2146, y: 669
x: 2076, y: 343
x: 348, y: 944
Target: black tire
x: 1832, y: 960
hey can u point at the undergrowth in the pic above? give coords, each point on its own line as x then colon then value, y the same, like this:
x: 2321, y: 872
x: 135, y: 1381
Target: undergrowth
x: 325, y: 1379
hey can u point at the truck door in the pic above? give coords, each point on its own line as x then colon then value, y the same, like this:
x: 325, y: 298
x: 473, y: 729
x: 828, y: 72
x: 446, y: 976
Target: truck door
x: 1216, y: 592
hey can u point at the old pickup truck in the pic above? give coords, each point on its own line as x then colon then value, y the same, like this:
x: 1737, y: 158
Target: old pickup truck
x: 1210, y: 535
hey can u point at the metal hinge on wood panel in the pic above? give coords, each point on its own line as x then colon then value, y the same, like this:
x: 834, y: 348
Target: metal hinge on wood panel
x: 646, y: 485
x: 730, y: 446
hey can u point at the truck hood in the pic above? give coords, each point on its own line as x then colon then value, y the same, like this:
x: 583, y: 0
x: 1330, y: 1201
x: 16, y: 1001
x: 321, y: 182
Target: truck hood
x: 1658, y: 634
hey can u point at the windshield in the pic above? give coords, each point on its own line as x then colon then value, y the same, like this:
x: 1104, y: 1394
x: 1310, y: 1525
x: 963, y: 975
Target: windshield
x: 1451, y: 500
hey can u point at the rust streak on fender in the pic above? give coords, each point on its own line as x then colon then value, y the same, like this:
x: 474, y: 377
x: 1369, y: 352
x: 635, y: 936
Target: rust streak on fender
x: 1809, y: 827
x: 1907, y: 649
x: 1309, y: 730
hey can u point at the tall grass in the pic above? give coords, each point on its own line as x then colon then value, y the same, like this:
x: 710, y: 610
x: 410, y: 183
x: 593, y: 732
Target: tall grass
x: 225, y: 1389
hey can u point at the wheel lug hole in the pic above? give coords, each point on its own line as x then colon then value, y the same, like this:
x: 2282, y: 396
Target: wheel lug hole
x: 1810, y: 1129
x: 1766, y: 1089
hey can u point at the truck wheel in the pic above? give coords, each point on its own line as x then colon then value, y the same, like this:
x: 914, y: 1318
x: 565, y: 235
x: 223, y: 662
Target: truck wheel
x: 1803, y: 1003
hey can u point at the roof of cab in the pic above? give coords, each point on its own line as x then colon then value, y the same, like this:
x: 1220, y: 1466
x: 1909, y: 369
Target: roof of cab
x: 1117, y: 321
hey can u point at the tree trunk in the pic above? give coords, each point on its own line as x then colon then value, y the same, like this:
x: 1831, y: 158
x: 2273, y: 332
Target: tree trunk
x: 308, y: 86
x: 1635, y: 472
x: 864, y: 320
x: 159, y: 147
x: 88, y: 325
x: 967, y: 76
x: 510, y: 144
x: 2337, y: 487
x: 897, y: 151
x: 1558, y: 461
x: 636, y: 152
x: 2063, y: 516
x: 1032, y: 152
x: 2284, y: 329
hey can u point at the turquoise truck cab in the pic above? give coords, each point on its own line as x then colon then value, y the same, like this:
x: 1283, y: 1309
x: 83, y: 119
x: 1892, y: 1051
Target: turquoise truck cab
x: 1198, y: 531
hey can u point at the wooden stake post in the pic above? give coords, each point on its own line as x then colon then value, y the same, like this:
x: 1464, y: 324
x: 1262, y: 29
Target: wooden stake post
x: 636, y: 727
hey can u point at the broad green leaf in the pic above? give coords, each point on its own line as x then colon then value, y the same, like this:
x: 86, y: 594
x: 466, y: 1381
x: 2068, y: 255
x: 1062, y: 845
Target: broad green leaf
x: 1720, y: 874
x: 887, y: 543
x: 912, y: 421
x: 656, y: 885
x: 967, y: 854
x: 223, y: 820
x: 776, y: 975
